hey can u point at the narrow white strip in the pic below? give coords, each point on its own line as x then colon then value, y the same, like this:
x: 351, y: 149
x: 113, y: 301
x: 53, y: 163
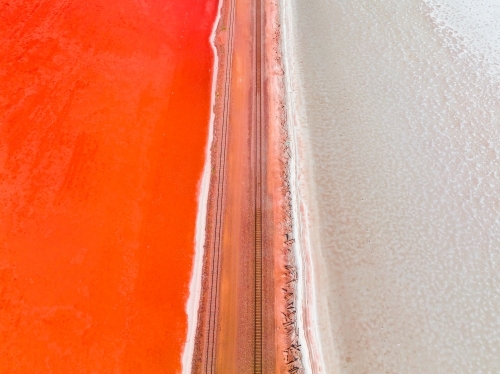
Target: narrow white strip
x: 306, y: 299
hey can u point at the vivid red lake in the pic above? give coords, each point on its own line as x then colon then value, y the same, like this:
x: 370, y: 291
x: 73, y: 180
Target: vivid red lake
x: 104, y: 113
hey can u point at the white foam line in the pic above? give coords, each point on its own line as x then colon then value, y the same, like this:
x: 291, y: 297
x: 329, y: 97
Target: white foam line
x: 193, y: 302
x: 312, y: 358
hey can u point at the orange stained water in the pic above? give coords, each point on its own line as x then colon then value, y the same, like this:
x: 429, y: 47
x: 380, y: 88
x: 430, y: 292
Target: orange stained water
x: 104, y: 111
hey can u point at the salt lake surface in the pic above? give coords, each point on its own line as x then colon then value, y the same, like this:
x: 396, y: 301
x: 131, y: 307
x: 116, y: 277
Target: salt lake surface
x: 104, y: 120
x: 396, y: 111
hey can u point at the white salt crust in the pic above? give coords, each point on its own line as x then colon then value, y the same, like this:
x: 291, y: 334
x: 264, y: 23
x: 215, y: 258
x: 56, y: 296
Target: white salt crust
x: 402, y: 154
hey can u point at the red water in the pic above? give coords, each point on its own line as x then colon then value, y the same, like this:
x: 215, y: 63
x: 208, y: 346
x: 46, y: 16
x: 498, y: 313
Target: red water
x: 104, y: 110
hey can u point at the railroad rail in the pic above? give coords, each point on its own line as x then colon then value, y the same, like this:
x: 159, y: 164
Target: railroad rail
x: 259, y: 159
x: 214, y: 281
x: 212, y: 326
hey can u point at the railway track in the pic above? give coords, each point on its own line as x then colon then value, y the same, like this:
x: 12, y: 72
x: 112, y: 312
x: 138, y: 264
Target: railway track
x: 212, y: 327
x: 259, y: 159
x: 214, y: 282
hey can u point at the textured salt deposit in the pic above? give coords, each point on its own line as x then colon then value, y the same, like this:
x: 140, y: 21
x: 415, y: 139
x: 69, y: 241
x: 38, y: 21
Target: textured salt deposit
x: 402, y: 120
x: 473, y: 28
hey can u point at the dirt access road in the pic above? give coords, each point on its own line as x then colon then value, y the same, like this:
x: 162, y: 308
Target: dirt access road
x: 236, y: 330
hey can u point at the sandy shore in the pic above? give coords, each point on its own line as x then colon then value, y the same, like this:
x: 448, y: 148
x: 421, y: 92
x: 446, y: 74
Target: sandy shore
x: 301, y: 192
x: 292, y: 344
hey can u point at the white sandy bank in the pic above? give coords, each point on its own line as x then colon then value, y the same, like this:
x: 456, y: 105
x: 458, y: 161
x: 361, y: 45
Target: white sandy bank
x: 300, y: 190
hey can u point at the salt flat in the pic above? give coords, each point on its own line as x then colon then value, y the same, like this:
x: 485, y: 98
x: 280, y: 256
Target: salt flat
x: 395, y: 113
